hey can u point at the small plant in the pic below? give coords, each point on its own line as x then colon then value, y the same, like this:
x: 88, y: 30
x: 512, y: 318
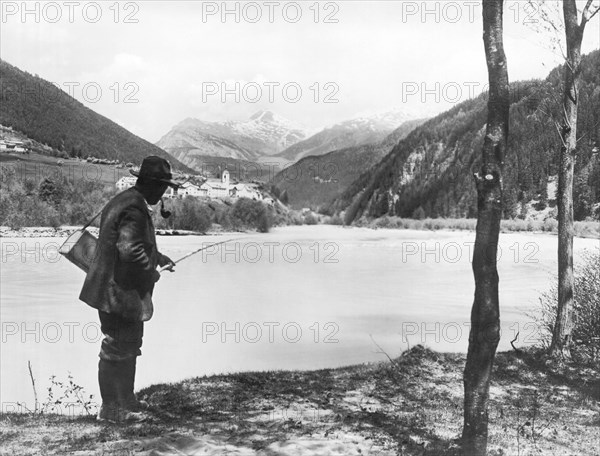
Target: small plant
x: 533, y: 420
x: 67, y: 394
x: 61, y: 395
x: 586, y: 312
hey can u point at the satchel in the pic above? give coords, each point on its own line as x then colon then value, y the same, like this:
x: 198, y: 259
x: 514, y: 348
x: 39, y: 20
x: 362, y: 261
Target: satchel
x: 80, y: 247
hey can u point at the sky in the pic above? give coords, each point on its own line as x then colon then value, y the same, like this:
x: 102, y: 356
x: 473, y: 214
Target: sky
x: 148, y: 65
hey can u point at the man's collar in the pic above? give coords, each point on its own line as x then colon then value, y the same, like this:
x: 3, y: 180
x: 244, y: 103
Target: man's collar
x: 137, y: 189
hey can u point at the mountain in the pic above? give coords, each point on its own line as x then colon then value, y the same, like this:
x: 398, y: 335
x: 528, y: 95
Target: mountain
x: 315, y: 181
x: 263, y: 134
x: 350, y: 133
x: 428, y: 173
x: 46, y: 114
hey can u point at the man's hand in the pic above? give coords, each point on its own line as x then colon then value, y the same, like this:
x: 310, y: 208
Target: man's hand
x: 166, y: 263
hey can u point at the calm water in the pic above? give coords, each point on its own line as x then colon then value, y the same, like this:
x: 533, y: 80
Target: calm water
x: 296, y: 298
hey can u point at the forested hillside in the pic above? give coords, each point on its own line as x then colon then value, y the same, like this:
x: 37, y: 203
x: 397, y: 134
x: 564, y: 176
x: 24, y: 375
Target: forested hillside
x: 428, y: 174
x: 315, y: 181
x: 50, y: 116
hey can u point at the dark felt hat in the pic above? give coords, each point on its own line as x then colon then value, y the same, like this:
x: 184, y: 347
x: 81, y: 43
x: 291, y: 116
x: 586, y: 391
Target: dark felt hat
x: 156, y: 168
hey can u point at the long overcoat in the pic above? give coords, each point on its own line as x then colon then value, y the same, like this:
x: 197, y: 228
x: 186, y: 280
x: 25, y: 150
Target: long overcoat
x: 123, y: 272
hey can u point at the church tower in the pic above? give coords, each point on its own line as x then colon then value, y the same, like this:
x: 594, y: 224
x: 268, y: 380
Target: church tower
x: 225, y: 178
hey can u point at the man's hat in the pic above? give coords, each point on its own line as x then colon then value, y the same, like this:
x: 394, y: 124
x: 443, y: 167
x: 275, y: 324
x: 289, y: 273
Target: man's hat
x: 156, y: 168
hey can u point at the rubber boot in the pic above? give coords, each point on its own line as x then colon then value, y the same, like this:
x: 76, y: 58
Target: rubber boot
x: 128, y: 398
x: 107, y: 375
x: 116, y: 390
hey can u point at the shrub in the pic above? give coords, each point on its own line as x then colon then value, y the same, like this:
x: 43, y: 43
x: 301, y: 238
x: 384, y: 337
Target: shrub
x: 220, y: 214
x: 51, y: 191
x: 248, y: 214
x: 191, y: 214
x: 295, y: 218
x: 587, y: 229
x: 550, y: 225
x: 334, y: 220
x: 382, y: 222
x: 311, y: 219
x: 284, y: 198
x: 435, y: 224
x: 513, y: 225
x: 418, y: 213
x: 28, y: 211
x: 586, y: 311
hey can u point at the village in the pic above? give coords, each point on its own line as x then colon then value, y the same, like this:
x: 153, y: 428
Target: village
x: 219, y: 188
x: 198, y: 186
x: 13, y: 145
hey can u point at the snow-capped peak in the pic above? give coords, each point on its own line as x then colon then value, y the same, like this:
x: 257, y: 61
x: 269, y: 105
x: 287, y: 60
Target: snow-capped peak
x: 263, y: 116
x: 264, y: 133
x: 391, y: 119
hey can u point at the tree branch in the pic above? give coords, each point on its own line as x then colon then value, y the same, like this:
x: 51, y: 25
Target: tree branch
x: 585, y: 17
x: 382, y: 351
x: 35, y: 396
x: 560, y: 135
x: 586, y: 133
x: 512, y: 343
x: 593, y: 14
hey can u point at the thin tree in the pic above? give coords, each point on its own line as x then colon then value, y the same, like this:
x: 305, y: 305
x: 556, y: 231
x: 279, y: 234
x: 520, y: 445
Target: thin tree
x: 485, y: 314
x: 561, y: 337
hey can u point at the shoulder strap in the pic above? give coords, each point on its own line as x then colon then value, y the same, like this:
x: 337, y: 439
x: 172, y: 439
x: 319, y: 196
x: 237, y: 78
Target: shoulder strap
x: 94, y: 217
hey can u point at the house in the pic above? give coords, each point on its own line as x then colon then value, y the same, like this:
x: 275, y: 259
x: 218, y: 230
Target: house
x: 190, y: 189
x: 12, y: 145
x: 126, y: 182
x: 129, y: 181
x: 244, y: 191
x: 217, y: 188
x: 170, y: 193
x: 214, y: 189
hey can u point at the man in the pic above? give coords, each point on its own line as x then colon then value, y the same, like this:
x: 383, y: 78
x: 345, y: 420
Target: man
x: 120, y: 282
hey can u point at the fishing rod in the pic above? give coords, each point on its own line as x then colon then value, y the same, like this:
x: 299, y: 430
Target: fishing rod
x: 169, y: 267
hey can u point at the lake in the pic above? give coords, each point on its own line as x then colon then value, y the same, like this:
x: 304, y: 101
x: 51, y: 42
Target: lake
x: 303, y: 297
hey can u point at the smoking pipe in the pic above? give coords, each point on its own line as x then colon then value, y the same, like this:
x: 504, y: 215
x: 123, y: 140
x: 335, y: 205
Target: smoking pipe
x: 163, y: 212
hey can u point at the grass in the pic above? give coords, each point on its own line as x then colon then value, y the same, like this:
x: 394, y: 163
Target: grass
x: 36, y: 166
x: 410, y: 406
x: 588, y: 229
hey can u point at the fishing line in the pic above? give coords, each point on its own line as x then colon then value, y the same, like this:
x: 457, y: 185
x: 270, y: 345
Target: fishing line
x: 168, y: 267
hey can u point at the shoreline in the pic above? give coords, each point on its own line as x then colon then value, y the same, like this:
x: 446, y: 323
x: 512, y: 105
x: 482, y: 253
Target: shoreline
x: 410, y: 405
x: 65, y: 231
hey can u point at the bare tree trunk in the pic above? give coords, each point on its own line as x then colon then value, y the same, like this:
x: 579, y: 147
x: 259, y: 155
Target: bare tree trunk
x: 561, y: 337
x: 485, y: 314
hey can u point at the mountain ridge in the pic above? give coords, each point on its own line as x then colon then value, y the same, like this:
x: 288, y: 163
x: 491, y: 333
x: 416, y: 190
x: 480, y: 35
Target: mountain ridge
x: 427, y: 174
x: 349, y: 133
x: 46, y: 114
x: 263, y: 134
x: 315, y: 180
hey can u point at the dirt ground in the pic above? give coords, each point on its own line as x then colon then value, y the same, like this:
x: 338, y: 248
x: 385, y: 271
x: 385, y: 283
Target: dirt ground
x: 410, y: 406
